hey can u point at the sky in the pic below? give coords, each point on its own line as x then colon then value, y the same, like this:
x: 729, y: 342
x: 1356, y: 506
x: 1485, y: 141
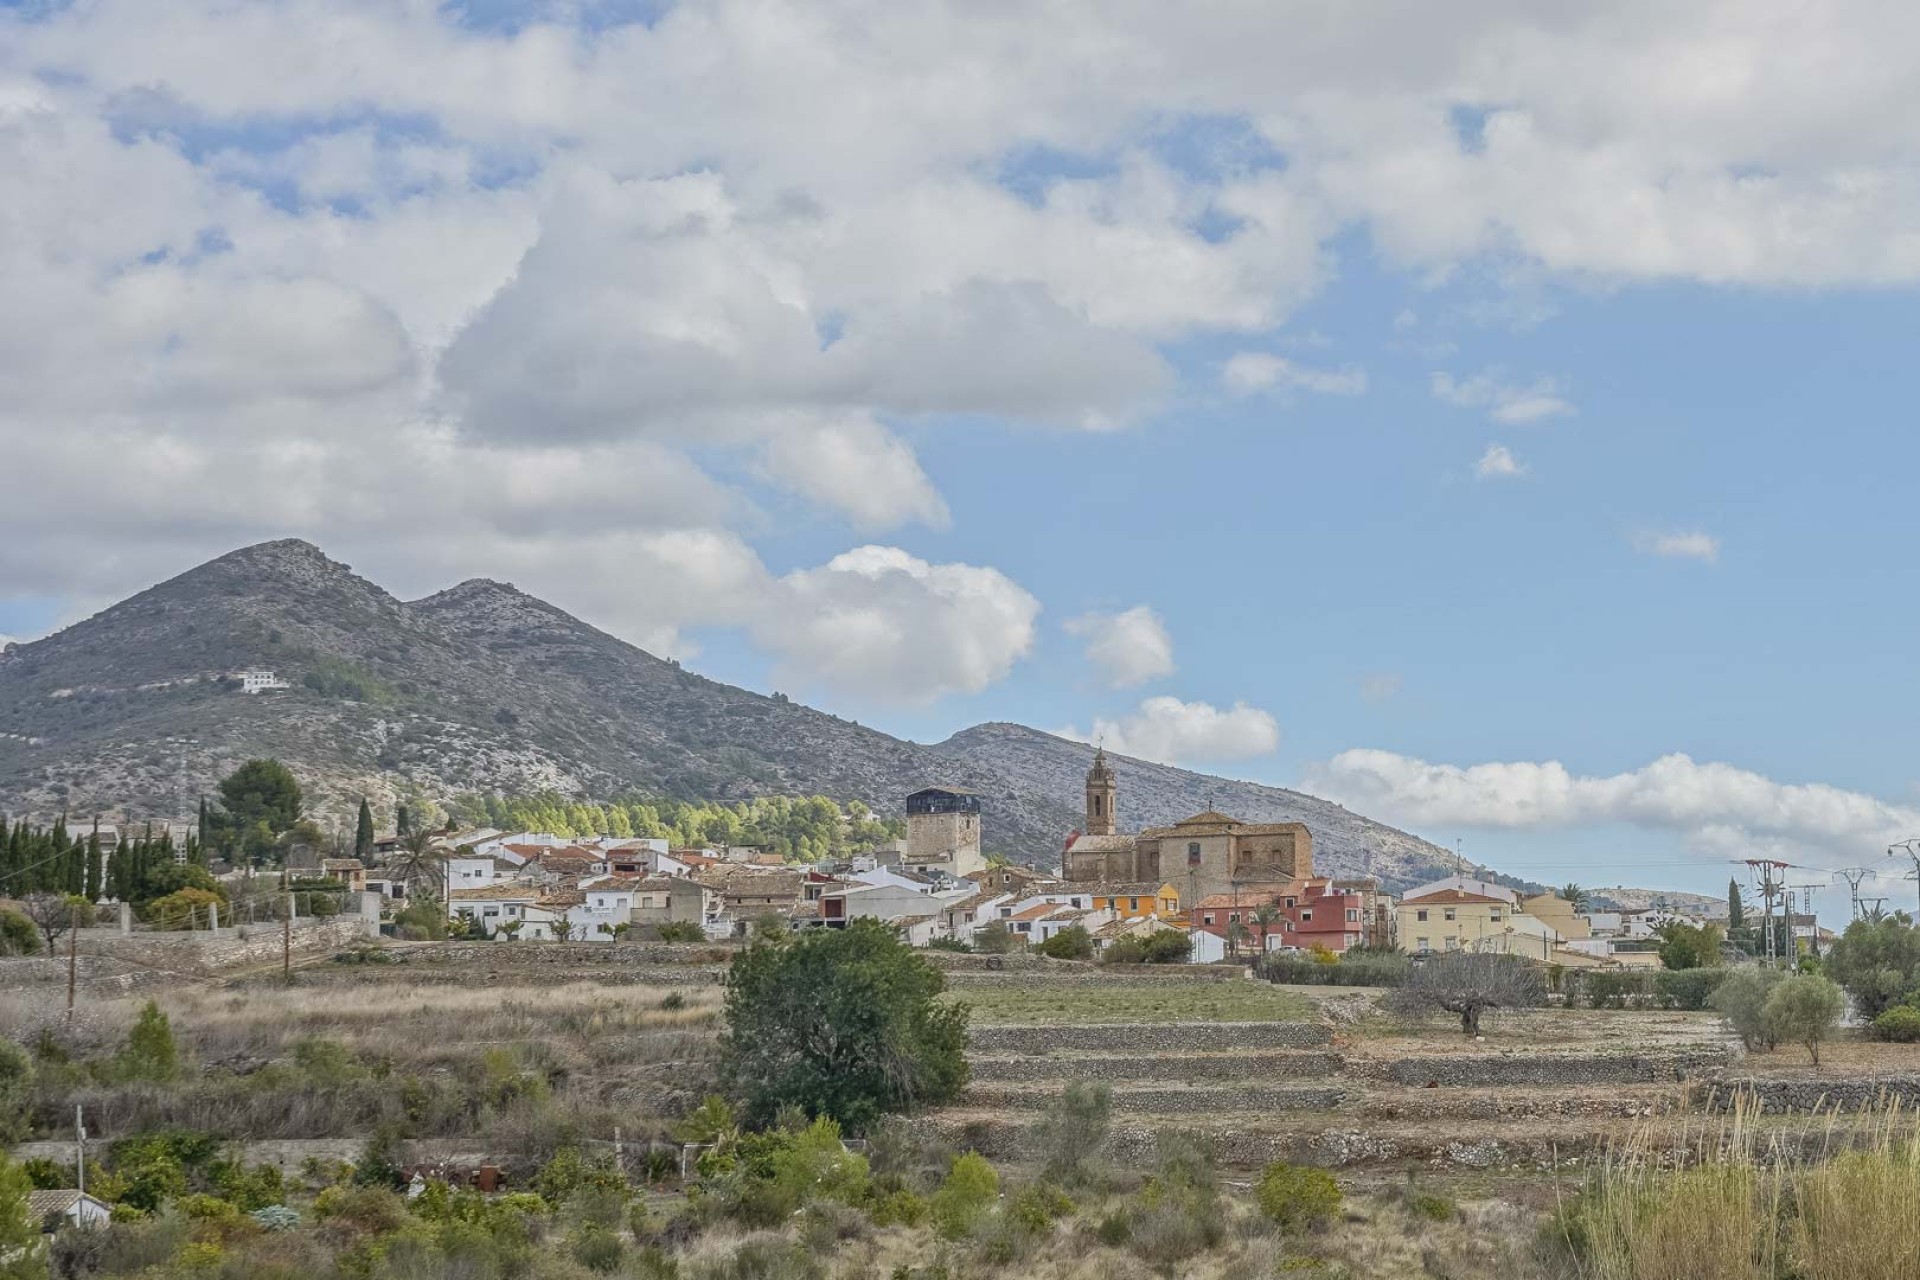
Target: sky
x: 1493, y: 416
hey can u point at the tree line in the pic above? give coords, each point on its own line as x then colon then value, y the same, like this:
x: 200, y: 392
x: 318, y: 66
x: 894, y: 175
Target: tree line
x: 798, y: 828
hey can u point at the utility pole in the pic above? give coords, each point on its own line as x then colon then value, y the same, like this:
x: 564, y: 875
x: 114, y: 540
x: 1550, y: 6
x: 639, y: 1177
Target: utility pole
x: 1767, y: 872
x: 1854, y: 876
x: 1806, y: 909
x: 80, y: 1152
x: 286, y: 944
x: 1912, y: 851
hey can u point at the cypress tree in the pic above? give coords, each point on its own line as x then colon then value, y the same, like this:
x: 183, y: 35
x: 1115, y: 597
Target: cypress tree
x: 400, y: 823
x: 1736, y: 910
x: 363, y: 834
x: 90, y: 881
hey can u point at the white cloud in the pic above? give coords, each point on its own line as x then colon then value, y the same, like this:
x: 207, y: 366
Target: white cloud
x: 1498, y: 463
x: 1504, y: 402
x: 1250, y: 371
x: 880, y: 623
x: 1130, y: 648
x: 1170, y: 731
x: 1678, y: 544
x: 455, y: 269
x: 1718, y: 807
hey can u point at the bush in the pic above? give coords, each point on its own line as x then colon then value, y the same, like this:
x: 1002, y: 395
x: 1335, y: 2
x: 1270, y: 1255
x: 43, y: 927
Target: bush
x: 1688, y: 989
x: 184, y: 909
x: 1297, y: 1197
x: 1900, y: 1024
x: 899, y: 1208
x: 1071, y: 943
x: 1180, y: 1213
x: 149, y: 1053
x: 1074, y: 1133
x: 1804, y: 1010
x: 963, y: 1199
x: 16, y: 1091
x: 681, y: 931
x: 1742, y: 1000
x: 1367, y: 970
x: 1607, y: 989
x: 18, y: 937
x: 598, y: 1249
x: 994, y: 939
x: 1038, y: 1206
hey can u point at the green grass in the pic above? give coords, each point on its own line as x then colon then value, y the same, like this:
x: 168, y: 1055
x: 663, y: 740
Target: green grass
x: 1195, y: 1002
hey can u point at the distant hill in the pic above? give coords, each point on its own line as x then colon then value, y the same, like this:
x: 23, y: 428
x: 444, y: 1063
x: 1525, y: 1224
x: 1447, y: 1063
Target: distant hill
x: 485, y: 688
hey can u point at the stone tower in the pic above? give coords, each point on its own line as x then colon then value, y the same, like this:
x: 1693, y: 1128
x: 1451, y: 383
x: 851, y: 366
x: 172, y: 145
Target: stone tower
x: 1102, y: 791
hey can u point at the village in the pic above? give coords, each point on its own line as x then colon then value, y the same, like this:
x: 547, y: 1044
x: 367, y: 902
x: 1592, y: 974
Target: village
x: 1230, y: 889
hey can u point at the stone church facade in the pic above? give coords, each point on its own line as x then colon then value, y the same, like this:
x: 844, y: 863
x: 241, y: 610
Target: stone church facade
x: 1206, y: 854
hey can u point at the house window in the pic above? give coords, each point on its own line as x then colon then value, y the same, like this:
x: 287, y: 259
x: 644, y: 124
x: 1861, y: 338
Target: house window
x: 1353, y: 915
x: 1453, y: 944
x: 1207, y: 918
x: 1290, y: 902
x: 1133, y: 904
x: 1306, y: 917
x: 1193, y: 853
x: 1421, y: 916
x: 1423, y: 945
x: 1449, y: 914
x: 1494, y: 916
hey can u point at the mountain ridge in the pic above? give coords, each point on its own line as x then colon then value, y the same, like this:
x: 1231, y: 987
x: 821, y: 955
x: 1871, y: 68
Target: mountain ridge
x: 484, y: 687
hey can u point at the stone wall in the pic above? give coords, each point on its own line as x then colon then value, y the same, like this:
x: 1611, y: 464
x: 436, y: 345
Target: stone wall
x: 1809, y: 1095
x: 1149, y: 1037
x: 1165, y: 1067
x: 551, y: 955
x: 1544, y: 1069
x: 1169, y: 1102
x: 205, y: 954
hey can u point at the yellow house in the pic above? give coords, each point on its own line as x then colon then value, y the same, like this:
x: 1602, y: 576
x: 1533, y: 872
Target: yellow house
x: 1452, y: 920
x: 1132, y: 901
x: 1554, y: 910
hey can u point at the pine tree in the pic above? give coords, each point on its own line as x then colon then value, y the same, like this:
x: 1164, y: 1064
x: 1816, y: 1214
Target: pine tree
x: 363, y: 834
x: 1736, y: 910
x: 400, y: 823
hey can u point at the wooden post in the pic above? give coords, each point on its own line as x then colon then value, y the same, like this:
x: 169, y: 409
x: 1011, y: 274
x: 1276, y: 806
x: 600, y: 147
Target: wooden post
x: 73, y: 959
x: 286, y: 943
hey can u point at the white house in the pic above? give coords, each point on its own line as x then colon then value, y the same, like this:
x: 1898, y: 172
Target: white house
x: 67, y: 1208
x: 259, y: 681
x: 496, y: 906
x: 473, y: 871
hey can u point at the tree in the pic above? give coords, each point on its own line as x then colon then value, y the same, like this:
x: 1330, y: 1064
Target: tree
x: 22, y: 1248
x: 1877, y: 962
x: 421, y: 863
x: 402, y: 821
x: 150, y: 1053
x: 1736, y: 909
x: 1237, y: 936
x: 1576, y: 896
x: 844, y: 1023
x: 18, y: 937
x: 1266, y: 915
x: 1742, y: 1001
x: 55, y: 913
x: 1469, y: 983
x: 260, y: 801
x: 363, y: 834
x: 1805, y: 1010
x: 561, y: 929
x: 1686, y: 946
x: 1071, y: 943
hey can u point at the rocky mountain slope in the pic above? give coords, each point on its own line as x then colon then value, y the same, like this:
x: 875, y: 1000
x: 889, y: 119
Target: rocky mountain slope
x: 134, y: 712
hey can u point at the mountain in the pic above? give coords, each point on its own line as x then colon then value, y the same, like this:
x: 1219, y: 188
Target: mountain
x: 136, y: 712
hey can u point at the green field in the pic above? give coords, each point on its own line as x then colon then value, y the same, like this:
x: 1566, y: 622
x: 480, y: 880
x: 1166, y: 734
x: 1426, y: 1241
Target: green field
x: 1198, y: 1001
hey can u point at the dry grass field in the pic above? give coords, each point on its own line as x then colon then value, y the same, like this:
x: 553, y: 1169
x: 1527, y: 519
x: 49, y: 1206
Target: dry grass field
x: 1243, y: 1001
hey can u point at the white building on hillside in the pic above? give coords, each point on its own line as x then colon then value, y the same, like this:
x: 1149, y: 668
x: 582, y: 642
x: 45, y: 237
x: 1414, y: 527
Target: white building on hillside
x: 259, y: 680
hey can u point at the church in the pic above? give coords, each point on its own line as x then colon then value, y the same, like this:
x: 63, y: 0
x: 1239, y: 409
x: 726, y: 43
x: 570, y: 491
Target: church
x: 1206, y: 854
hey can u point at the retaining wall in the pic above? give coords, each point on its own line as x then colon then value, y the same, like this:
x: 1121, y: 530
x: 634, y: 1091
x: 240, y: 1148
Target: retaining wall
x: 1162, y: 1067
x: 1541, y: 1069
x: 1149, y: 1037
x: 1811, y: 1095
x: 1168, y: 1102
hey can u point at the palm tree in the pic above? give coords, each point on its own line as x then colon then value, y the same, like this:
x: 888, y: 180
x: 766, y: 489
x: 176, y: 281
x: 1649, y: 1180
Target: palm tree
x: 1576, y: 896
x: 420, y: 862
x: 1236, y: 934
x: 1266, y: 916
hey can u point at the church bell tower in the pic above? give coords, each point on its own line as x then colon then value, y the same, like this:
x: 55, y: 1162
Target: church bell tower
x: 1101, y: 792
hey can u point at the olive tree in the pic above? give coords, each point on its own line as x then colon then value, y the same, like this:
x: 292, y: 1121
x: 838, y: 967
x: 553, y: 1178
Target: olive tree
x: 1469, y: 983
x: 1805, y: 1010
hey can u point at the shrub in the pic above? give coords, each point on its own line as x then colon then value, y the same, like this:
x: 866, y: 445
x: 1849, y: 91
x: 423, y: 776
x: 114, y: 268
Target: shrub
x: 1742, y: 1000
x: 16, y: 1091
x: 598, y: 1249
x: 681, y: 931
x: 1371, y: 969
x: 1071, y: 943
x: 970, y: 1189
x: 1900, y: 1024
x: 1074, y: 1133
x: 1180, y: 1213
x: 1616, y: 990
x: 1114, y: 1230
x: 899, y: 1208
x: 994, y: 939
x: 18, y: 937
x: 184, y: 909
x: 763, y: 1259
x: 1804, y: 1010
x: 568, y: 1172
x: 1297, y: 1197
x: 1688, y: 989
